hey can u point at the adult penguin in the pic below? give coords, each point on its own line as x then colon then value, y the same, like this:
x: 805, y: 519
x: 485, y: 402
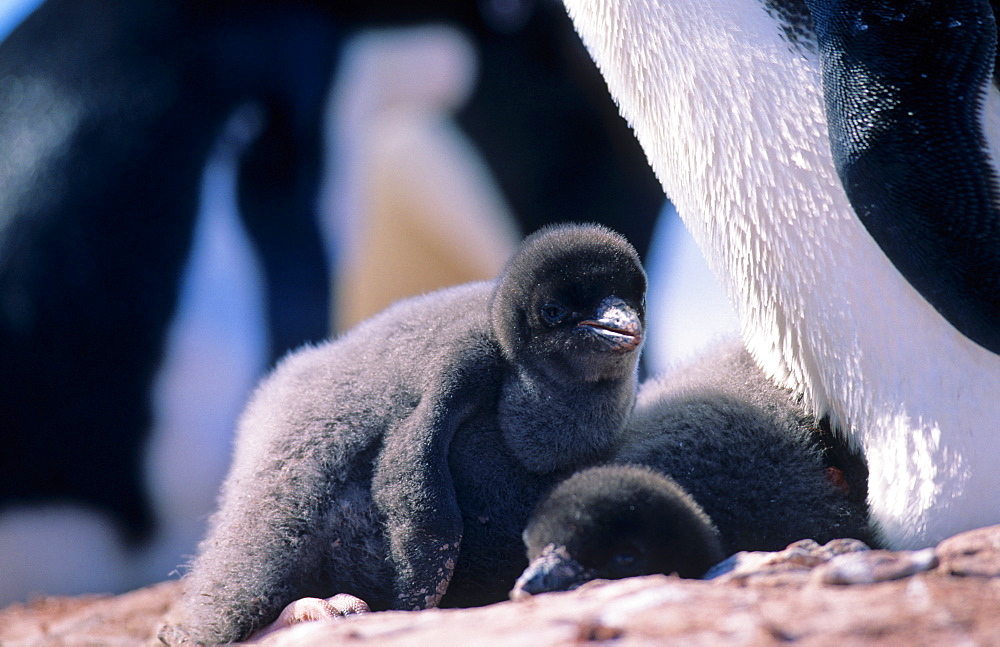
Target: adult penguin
x: 399, y: 463
x: 836, y: 162
x: 110, y: 111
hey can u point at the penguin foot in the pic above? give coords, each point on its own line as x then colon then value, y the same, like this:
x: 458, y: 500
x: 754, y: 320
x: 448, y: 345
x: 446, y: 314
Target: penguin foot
x: 799, y: 557
x: 841, y: 561
x: 309, y: 609
x: 876, y: 566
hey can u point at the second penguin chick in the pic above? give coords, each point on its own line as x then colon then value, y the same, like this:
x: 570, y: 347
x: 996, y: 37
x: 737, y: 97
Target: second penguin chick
x: 749, y: 453
x: 616, y: 521
x: 734, y: 454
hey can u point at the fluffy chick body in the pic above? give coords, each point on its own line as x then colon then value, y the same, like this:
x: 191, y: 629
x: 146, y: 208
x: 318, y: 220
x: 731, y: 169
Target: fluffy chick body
x: 715, y: 459
x: 400, y: 462
x: 749, y: 453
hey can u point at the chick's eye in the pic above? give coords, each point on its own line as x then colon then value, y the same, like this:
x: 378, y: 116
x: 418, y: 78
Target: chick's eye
x: 553, y: 313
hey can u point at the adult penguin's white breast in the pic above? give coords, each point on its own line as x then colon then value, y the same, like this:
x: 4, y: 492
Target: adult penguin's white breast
x: 727, y: 99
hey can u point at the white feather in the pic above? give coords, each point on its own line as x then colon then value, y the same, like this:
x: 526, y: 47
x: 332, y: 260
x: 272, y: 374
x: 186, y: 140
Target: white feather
x: 732, y: 121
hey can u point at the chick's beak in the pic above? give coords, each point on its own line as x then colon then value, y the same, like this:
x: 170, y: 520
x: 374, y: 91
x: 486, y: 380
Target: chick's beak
x: 616, y: 323
x: 552, y: 570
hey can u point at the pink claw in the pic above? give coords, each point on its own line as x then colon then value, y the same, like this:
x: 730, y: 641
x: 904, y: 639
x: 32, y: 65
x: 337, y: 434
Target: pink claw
x: 310, y: 609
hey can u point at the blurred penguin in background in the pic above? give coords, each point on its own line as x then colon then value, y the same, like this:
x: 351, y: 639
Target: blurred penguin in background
x: 413, y: 206
x: 109, y: 112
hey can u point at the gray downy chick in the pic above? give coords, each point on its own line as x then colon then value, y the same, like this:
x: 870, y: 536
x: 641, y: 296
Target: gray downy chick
x: 737, y: 454
x: 399, y: 463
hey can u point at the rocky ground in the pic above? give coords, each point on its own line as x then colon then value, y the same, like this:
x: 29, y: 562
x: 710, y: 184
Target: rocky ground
x: 806, y: 595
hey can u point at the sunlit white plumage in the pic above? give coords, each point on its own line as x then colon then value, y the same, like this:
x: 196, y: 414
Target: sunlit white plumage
x: 731, y: 117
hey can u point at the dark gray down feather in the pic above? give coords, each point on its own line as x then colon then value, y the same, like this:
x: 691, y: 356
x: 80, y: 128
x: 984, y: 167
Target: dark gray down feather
x: 400, y: 462
x: 763, y: 468
x: 715, y: 459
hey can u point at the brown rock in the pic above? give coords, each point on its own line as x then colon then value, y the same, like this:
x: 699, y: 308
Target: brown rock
x: 921, y: 610
x: 127, y: 619
x: 784, y: 600
x: 973, y: 553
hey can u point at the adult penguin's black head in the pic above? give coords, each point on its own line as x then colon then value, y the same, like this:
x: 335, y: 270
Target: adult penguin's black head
x: 612, y: 522
x: 572, y: 300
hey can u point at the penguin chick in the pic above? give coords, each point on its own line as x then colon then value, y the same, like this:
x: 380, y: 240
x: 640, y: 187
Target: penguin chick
x: 400, y: 463
x: 612, y: 522
x: 748, y: 452
x: 714, y: 460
